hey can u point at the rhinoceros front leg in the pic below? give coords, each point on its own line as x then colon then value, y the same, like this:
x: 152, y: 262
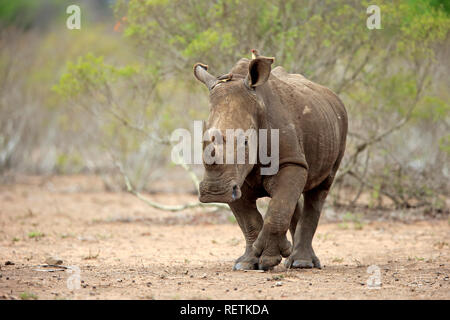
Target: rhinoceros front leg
x: 285, y: 189
x: 251, y: 222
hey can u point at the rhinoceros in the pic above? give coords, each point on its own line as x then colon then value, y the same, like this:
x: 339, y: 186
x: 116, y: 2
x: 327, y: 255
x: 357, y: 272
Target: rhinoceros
x: 312, y: 127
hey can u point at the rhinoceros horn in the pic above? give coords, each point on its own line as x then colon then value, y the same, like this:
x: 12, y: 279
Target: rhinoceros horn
x: 204, y: 76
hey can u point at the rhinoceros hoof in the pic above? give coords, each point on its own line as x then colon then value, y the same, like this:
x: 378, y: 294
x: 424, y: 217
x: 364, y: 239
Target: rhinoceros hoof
x: 301, y: 263
x: 245, y: 266
x: 246, y: 262
x: 268, y: 262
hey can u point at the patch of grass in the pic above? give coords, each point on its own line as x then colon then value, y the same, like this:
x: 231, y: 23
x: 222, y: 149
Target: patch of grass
x: 338, y: 260
x: 441, y: 244
x: 104, y: 236
x: 28, y: 296
x: 420, y: 258
x: 354, y: 219
x: 343, y: 226
x: 35, y: 235
x: 92, y: 256
x: 323, y: 236
x: 234, y: 241
x: 416, y: 259
x: 15, y: 239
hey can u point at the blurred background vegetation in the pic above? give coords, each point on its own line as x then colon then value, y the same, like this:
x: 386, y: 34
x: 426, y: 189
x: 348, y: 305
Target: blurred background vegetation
x: 78, y: 101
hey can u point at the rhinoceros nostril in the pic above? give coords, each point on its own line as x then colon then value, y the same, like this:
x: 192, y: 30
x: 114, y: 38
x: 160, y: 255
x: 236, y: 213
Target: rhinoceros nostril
x: 234, y: 193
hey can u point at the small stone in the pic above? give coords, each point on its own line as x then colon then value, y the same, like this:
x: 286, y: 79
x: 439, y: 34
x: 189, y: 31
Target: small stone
x: 279, y: 283
x: 54, y: 260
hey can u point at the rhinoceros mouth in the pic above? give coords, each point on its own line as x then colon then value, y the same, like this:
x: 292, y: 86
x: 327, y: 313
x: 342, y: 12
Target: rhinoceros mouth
x: 219, y: 192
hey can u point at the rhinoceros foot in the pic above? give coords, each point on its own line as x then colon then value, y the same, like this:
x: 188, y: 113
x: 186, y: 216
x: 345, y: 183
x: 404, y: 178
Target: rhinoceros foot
x: 248, y: 261
x: 298, y: 261
x: 270, y: 248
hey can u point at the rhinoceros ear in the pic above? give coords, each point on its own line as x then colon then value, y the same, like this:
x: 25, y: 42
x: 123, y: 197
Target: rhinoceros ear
x: 204, y: 76
x: 259, y: 71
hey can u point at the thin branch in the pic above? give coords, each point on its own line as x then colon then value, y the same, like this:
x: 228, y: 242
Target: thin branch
x: 381, y: 190
x: 363, y: 146
x: 164, y: 207
x: 361, y: 187
x: 358, y: 70
x: 191, y: 172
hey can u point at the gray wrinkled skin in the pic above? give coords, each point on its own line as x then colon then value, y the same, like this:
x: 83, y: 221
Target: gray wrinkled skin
x: 312, y: 123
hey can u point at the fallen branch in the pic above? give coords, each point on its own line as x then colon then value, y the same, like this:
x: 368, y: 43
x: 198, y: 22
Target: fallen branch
x: 159, y: 206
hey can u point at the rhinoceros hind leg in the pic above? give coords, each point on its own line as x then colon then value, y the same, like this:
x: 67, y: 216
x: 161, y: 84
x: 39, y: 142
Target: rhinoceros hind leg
x: 306, y: 262
x: 295, y: 218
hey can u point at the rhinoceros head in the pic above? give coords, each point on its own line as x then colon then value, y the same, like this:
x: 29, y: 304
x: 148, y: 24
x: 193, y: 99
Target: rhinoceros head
x: 232, y: 127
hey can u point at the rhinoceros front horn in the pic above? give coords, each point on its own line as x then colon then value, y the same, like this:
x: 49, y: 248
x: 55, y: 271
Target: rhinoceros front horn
x: 204, y: 76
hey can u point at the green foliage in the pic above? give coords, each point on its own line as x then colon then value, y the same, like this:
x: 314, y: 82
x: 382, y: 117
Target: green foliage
x: 69, y: 162
x: 114, y: 92
x: 28, y: 296
x: 35, y: 235
x: 30, y: 14
x: 88, y: 74
x: 382, y: 75
x: 10, y: 11
x: 444, y: 143
x: 354, y: 219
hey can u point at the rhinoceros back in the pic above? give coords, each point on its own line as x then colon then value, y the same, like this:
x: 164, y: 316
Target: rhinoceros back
x: 320, y: 119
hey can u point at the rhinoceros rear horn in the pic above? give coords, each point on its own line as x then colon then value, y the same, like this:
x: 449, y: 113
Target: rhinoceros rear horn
x: 204, y: 76
x: 259, y: 71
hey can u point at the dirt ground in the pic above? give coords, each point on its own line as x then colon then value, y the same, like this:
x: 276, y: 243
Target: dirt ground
x: 125, y: 250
